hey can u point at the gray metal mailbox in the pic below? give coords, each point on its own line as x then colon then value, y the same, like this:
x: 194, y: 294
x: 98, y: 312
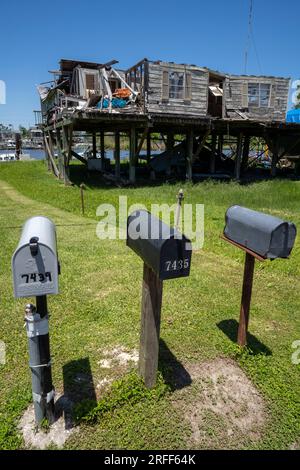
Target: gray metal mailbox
x: 164, y: 249
x: 264, y: 234
x: 35, y: 265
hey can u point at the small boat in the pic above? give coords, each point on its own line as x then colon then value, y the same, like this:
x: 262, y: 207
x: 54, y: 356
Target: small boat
x: 7, y: 157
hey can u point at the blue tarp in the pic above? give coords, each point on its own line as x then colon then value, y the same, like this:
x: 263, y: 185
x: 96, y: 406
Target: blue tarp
x: 293, y: 116
x: 115, y: 103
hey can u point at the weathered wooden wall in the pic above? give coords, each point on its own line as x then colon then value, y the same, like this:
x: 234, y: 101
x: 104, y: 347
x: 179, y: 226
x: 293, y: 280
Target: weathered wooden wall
x: 199, y: 90
x: 236, y: 97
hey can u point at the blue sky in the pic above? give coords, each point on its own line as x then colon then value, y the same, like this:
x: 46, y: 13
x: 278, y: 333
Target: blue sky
x: 34, y: 35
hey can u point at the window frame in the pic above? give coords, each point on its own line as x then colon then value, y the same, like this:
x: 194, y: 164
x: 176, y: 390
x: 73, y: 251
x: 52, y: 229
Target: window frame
x: 258, y: 102
x: 178, y: 72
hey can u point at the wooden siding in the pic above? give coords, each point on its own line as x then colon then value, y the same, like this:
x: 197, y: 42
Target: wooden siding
x: 196, y: 98
x: 236, y: 97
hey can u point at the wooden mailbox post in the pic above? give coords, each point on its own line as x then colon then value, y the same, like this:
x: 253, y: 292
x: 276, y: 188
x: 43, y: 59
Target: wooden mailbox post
x: 167, y: 255
x: 260, y: 236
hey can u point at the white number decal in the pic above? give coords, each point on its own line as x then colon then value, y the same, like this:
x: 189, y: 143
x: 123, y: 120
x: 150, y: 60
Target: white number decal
x: 177, y: 265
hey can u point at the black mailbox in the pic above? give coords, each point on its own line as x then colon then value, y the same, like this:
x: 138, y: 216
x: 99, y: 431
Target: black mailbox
x: 264, y: 234
x: 164, y: 249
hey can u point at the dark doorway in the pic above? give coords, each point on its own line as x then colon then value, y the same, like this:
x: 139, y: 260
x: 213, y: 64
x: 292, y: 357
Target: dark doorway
x: 215, y: 95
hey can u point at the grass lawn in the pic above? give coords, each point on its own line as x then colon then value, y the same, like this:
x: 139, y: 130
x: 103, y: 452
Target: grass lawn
x: 96, y: 318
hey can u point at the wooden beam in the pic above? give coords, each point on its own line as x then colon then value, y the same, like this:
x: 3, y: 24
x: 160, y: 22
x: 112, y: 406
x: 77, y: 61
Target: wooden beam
x: 65, y: 134
x: 102, y: 148
x: 48, y: 161
x: 201, y: 144
x: 148, y: 146
x: 51, y: 156
x: 94, y: 145
x: 79, y: 157
x: 132, y: 153
x: 212, y: 165
x: 117, y: 154
x: 60, y: 154
x: 246, y: 299
x: 238, y: 157
x: 189, y: 154
x: 142, y: 140
x: 275, y: 156
x: 246, y: 150
x: 152, y: 289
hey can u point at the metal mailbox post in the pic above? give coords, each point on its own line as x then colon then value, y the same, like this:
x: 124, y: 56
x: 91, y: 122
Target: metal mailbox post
x: 167, y: 255
x: 35, y: 269
x: 262, y: 237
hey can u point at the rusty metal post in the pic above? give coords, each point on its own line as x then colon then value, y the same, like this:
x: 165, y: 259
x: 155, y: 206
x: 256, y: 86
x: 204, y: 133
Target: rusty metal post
x: 246, y: 299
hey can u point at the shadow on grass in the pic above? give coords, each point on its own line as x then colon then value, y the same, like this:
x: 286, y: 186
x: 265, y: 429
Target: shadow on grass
x: 78, y: 387
x: 93, y: 179
x: 230, y: 329
x: 174, y: 373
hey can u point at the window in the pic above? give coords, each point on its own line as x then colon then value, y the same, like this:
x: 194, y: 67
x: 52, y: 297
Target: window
x: 90, y: 81
x: 259, y: 94
x: 264, y: 95
x: 176, y: 85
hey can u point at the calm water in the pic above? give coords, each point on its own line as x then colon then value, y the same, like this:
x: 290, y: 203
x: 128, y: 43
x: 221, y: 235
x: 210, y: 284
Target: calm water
x: 37, y: 154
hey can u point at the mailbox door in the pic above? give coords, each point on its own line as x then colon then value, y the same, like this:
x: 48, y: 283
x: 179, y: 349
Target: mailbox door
x: 35, y: 275
x: 175, y: 259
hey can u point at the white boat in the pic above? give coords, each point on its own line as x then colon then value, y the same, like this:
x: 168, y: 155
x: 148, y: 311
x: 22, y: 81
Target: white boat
x: 7, y: 157
x: 11, y: 157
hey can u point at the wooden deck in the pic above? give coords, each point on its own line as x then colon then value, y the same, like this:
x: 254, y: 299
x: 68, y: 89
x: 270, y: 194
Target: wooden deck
x: 199, y: 132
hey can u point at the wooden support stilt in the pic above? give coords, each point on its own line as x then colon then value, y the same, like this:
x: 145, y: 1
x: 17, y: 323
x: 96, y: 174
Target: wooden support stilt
x: 275, y: 156
x: 117, y: 154
x: 201, y: 144
x: 189, y: 154
x: 150, y: 326
x: 139, y: 145
x: 94, y: 145
x: 220, y: 145
x: 148, y: 147
x: 47, y: 153
x: 132, y: 153
x: 246, y: 150
x: 170, y: 147
x: 60, y: 154
x: 49, y: 142
x: 246, y: 299
x: 66, y: 154
x: 238, y: 158
x: 212, y: 166
x: 102, y: 149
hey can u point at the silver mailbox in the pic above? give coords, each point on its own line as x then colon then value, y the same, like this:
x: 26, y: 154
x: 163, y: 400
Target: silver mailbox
x: 35, y: 264
x: 264, y: 234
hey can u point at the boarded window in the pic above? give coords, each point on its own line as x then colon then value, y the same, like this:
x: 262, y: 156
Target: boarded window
x: 259, y: 94
x: 176, y: 85
x: 90, y: 81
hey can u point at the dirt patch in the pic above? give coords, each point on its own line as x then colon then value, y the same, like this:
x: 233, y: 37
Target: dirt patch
x: 225, y: 409
x: 118, y: 356
x: 116, y: 360
x: 58, y: 432
x: 295, y: 446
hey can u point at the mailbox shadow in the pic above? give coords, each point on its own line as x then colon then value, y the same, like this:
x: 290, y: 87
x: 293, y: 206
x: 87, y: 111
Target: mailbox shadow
x: 230, y: 329
x: 173, y: 372
x: 78, y: 387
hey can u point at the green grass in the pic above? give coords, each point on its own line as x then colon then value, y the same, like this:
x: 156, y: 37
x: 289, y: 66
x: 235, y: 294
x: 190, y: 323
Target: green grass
x: 99, y: 308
